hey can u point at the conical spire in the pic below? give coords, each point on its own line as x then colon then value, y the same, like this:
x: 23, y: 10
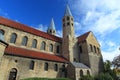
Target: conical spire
x: 51, y: 28
x: 67, y: 11
x: 52, y: 25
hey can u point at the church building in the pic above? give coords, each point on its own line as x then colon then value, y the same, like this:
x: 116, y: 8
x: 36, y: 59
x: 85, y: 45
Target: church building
x: 26, y: 52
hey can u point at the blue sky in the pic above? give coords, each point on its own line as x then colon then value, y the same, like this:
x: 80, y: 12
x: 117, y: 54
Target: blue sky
x: 101, y: 17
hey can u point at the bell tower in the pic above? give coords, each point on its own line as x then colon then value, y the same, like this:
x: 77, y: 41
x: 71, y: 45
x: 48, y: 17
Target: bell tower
x: 68, y: 35
x: 51, y: 29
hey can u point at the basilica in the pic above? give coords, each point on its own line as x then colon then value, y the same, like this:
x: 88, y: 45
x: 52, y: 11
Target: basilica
x: 26, y: 52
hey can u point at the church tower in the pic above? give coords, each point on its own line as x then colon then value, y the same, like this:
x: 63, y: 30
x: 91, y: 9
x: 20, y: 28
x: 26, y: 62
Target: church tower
x: 51, y: 29
x: 68, y: 35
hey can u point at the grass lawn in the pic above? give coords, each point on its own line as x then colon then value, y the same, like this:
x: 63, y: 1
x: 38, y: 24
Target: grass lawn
x: 46, y: 79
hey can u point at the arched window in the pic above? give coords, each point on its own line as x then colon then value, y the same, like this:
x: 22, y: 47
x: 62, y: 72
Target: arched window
x: 88, y: 72
x: 94, y: 49
x: 80, y: 47
x: 68, y: 18
x: 43, y: 45
x: 13, y: 38
x: 91, y: 48
x: 98, y: 50
x: 56, y: 67
x: 58, y: 49
x: 81, y: 73
x: 34, y: 43
x: 51, y: 47
x: 1, y: 35
x: 32, y: 65
x: 46, y: 67
x: 24, y: 40
x: 2, y: 32
x: 13, y: 74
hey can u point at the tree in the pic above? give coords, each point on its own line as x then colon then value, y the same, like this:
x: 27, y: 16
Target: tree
x: 107, y: 66
x: 116, y: 61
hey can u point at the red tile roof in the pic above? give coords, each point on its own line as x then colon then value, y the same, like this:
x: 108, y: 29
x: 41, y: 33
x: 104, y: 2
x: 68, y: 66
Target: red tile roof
x: 11, y: 50
x: 83, y: 37
x: 28, y: 29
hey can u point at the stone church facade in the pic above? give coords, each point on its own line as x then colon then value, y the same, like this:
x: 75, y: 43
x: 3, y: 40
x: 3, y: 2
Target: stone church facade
x: 27, y: 52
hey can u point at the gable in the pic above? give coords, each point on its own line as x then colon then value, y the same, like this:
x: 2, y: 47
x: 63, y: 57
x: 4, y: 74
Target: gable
x: 91, y: 39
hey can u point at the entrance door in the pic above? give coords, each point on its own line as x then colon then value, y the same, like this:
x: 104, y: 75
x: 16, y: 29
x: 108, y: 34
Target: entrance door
x: 12, y: 75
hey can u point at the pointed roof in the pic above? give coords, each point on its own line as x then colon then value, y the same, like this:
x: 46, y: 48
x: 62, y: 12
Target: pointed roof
x: 52, y: 25
x: 83, y: 37
x: 67, y: 11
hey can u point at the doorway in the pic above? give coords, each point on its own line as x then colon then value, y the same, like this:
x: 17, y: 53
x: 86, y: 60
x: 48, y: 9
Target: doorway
x: 12, y: 74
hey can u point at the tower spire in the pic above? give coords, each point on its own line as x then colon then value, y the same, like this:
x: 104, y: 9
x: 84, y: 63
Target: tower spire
x: 67, y: 11
x: 51, y: 29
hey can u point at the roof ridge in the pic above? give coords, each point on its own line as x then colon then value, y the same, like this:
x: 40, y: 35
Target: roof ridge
x: 83, y: 36
x: 28, y: 29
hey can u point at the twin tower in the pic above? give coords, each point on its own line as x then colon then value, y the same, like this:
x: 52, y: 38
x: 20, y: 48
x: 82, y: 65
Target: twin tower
x: 68, y: 34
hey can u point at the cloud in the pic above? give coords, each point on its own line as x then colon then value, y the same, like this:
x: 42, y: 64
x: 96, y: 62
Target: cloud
x: 3, y: 13
x: 44, y: 28
x: 41, y: 27
x: 109, y: 55
x: 59, y: 33
x: 101, y: 17
x: 96, y: 15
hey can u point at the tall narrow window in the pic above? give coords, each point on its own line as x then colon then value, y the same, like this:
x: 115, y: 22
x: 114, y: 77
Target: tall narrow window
x: 32, y: 65
x: 51, y: 47
x: 1, y: 35
x: 98, y: 50
x: 43, y: 45
x: 80, y: 47
x: 94, y: 49
x: 24, y: 41
x: 56, y: 67
x: 58, y: 49
x: 34, y: 43
x: 91, y: 48
x: 13, y: 38
x: 46, y: 67
x: 68, y: 18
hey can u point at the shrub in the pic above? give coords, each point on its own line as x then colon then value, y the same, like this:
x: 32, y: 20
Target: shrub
x: 87, y: 77
x: 104, y: 76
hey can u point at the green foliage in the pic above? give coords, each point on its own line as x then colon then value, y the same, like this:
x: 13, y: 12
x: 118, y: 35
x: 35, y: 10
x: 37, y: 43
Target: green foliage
x: 107, y: 66
x: 104, y: 76
x: 87, y: 77
x: 46, y: 79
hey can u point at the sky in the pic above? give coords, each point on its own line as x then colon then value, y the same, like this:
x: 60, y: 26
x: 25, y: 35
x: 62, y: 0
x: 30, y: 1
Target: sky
x: 102, y: 17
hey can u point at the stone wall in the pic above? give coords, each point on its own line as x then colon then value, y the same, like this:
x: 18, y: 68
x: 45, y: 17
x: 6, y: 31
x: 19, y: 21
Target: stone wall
x: 23, y: 71
x: 71, y: 71
x: 3, y: 45
x: 20, y: 34
x: 85, y: 72
x: 91, y: 58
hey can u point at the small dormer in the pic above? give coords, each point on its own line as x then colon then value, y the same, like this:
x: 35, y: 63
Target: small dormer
x: 51, y: 29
